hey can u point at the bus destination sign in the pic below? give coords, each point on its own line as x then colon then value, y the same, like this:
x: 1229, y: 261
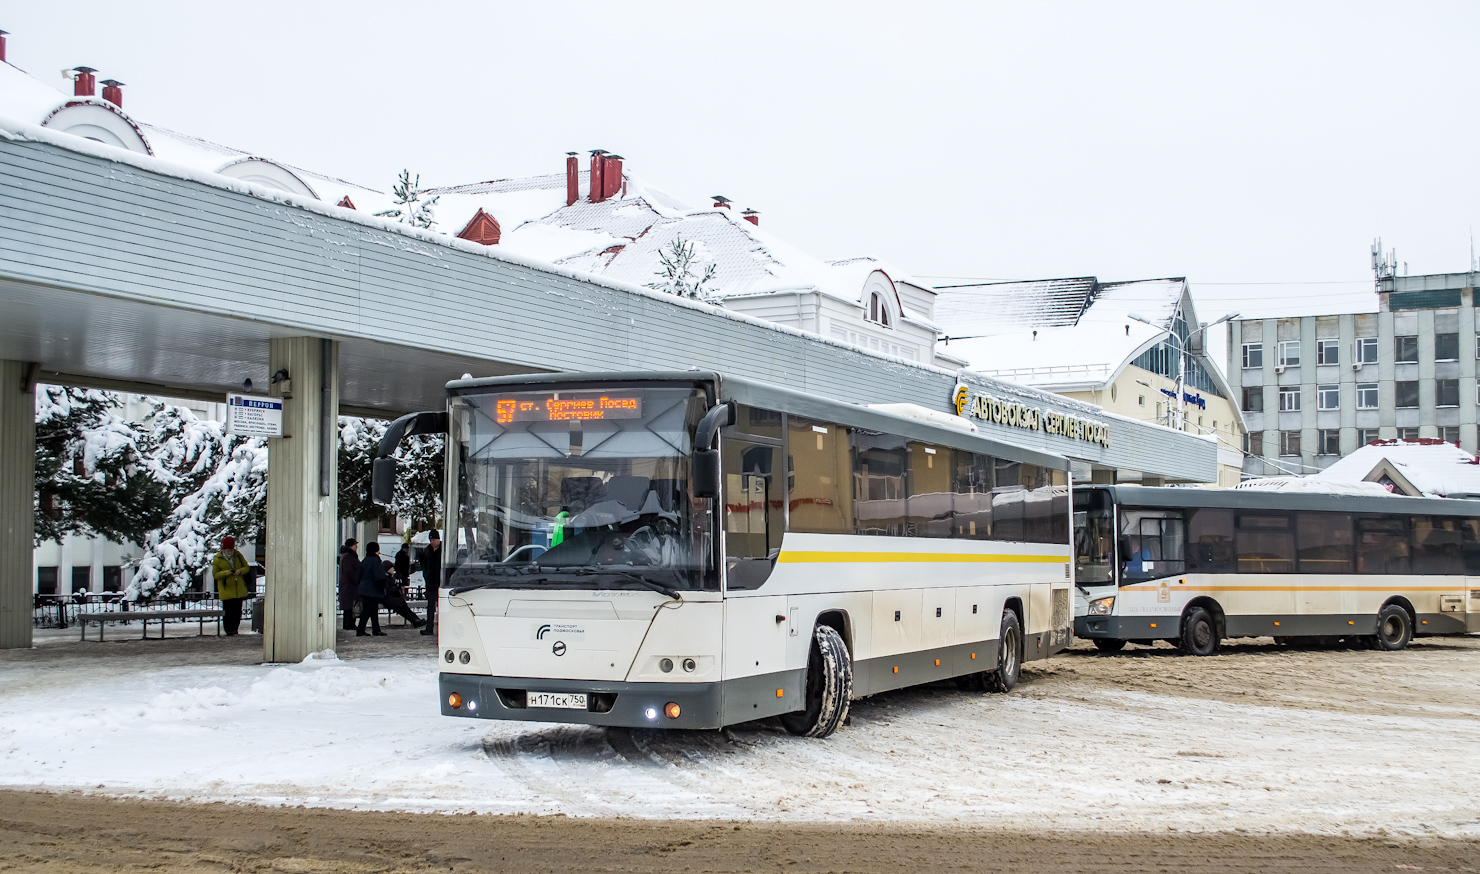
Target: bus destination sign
x: 566, y: 407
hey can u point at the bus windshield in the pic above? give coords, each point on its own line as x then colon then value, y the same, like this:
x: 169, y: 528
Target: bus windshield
x: 578, y: 488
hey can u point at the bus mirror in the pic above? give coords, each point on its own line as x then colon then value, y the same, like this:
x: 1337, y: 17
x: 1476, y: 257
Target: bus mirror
x: 706, y: 473
x: 383, y: 481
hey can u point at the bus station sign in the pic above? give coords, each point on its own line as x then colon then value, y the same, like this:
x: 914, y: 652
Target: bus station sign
x: 1018, y: 415
x: 254, y: 416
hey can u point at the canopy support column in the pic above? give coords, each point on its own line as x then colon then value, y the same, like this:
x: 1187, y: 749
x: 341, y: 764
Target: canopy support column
x: 17, y: 501
x: 302, y: 502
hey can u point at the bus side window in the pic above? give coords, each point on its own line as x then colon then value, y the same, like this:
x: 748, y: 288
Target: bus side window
x: 1382, y: 545
x: 1210, y: 541
x: 752, y: 512
x: 821, y: 475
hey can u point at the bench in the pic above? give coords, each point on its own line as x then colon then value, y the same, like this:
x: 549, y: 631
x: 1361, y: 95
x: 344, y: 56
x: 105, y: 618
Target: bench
x: 146, y: 616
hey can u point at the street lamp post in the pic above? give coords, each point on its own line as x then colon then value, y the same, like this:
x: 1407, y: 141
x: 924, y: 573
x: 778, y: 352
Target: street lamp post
x: 1180, y: 416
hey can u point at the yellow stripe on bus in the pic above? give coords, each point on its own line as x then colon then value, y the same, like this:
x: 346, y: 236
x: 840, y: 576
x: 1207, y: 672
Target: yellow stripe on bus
x: 1237, y: 588
x: 800, y: 557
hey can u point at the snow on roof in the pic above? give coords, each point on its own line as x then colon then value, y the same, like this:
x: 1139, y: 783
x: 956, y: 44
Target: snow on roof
x: 1056, y: 332
x: 1436, y: 468
x: 1311, y: 485
x: 25, y: 97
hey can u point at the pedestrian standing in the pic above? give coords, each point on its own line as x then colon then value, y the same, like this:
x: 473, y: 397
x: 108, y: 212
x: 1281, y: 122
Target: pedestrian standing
x: 431, y: 573
x: 403, y: 567
x: 373, y: 578
x: 349, y: 581
x: 229, y: 568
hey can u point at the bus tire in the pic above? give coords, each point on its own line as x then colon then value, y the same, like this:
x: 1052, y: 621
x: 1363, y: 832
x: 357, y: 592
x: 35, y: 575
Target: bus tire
x: 1199, y: 635
x: 829, y: 687
x: 1009, y: 656
x: 1109, y: 644
x: 1394, y: 629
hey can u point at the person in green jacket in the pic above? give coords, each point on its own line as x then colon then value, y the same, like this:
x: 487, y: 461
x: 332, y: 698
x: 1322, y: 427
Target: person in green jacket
x: 231, y: 572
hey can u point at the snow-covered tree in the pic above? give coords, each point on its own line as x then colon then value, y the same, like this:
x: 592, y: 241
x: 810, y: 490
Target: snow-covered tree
x: 418, y: 487
x: 217, y: 484
x: 410, y: 208
x: 679, y: 274
x: 93, y: 471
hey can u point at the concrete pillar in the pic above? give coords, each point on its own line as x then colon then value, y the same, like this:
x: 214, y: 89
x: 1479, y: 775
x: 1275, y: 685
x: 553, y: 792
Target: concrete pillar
x: 302, y: 505
x: 17, y: 503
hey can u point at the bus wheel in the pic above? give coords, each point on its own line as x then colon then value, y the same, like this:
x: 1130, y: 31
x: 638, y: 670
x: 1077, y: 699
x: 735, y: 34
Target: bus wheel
x: 1109, y: 644
x: 1009, y: 656
x: 829, y: 687
x: 1394, y: 629
x: 1199, y: 633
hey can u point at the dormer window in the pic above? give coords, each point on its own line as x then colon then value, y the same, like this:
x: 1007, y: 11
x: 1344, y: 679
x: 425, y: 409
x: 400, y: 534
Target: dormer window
x: 878, y: 312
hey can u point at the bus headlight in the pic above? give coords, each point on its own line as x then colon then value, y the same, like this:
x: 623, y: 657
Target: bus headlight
x: 1102, y: 606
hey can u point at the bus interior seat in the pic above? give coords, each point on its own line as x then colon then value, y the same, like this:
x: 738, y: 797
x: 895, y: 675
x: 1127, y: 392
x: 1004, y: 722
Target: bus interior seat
x: 579, y: 492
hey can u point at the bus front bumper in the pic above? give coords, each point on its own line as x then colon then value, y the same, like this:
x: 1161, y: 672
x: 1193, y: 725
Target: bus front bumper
x: 1127, y: 627
x: 629, y: 705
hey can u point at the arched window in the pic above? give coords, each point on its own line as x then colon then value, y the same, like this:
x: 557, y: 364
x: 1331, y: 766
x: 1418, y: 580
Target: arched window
x: 878, y: 311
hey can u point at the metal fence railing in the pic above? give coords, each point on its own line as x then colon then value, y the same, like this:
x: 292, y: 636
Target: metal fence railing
x: 61, y: 611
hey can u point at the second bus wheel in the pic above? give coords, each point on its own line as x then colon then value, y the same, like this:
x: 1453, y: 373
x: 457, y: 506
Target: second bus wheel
x: 1109, y: 644
x: 1199, y: 635
x: 1009, y: 656
x: 829, y: 687
x: 1394, y: 629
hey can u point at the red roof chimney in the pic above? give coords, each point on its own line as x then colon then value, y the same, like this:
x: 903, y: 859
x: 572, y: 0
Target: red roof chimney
x: 113, y: 92
x: 84, y: 84
x: 346, y: 202
x: 611, y: 175
x: 721, y: 200
x: 572, y: 179
x: 752, y: 216
x: 2, y: 45
x: 482, y: 228
x: 598, y: 187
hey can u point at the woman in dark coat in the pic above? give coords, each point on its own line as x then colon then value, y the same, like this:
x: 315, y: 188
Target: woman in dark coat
x: 349, y: 581
x: 373, y: 580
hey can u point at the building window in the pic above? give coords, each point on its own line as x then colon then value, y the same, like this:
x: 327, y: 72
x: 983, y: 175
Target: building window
x: 1328, y: 441
x: 46, y: 580
x: 1405, y: 394
x: 1446, y: 347
x: 1446, y: 392
x: 1366, y: 395
x: 1405, y: 350
x: 81, y: 578
x: 1253, y: 355
x: 1327, y: 352
x: 1289, y: 400
x: 1289, y: 442
x: 112, y: 578
x: 1328, y: 397
x: 1450, y: 434
x: 1290, y: 353
x: 1140, y: 400
x: 1367, y: 435
x: 1254, y: 443
x: 1366, y: 350
x: 1254, y: 399
x: 1407, y: 433
x: 878, y: 311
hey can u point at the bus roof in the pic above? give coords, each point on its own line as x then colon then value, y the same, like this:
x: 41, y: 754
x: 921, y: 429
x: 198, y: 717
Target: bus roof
x: 774, y: 397
x: 1247, y: 499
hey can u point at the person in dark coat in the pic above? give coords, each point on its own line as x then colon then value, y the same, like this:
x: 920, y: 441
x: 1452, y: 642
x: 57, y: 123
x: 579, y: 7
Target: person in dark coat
x: 431, y: 571
x: 349, y: 581
x: 395, y: 595
x: 403, y: 568
x: 373, y: 579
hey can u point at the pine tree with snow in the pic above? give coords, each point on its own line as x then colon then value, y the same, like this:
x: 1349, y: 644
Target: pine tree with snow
x: 217, y: 483
x: 677, y: 275
x: 410, y: 208
x: 93, y: 471
x: 418, y: 495
x: 359, y: 439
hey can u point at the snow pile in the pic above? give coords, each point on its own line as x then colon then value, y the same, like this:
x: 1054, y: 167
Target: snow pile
x: 1433, y: 467
x: 1312, y: 485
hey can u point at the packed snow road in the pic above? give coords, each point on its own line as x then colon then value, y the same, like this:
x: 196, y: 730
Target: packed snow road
x: 1260, y: 738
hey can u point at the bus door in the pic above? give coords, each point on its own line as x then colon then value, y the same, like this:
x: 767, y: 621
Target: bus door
x: 753, y: 514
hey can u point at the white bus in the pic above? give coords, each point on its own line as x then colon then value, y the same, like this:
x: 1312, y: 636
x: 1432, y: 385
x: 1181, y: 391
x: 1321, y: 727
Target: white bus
x: 689, y: 550
x: 1196, y: 566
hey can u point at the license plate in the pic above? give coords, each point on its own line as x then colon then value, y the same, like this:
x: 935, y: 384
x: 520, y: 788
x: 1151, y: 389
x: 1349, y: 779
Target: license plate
x: 557, y: 700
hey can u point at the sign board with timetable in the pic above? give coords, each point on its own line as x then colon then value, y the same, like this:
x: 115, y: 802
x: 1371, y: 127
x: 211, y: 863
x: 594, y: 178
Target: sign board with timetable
x: 254, y: 416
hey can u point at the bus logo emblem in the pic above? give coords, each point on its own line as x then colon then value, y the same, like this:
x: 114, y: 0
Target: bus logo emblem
x: 1164, y: 593
x: 540, y: 634
x: 558, y: 648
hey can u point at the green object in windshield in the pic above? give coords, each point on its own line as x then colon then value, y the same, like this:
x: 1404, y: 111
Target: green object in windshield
x: 558, y: 536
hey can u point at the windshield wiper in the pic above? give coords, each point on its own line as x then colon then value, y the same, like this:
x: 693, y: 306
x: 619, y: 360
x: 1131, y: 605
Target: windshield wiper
x: 628, y: 575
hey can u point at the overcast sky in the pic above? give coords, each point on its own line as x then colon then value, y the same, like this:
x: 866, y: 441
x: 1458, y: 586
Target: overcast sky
x: 1262, y: 144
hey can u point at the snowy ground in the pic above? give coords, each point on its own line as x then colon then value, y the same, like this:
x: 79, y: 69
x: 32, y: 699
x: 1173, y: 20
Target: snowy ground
x: 1261, y: 739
